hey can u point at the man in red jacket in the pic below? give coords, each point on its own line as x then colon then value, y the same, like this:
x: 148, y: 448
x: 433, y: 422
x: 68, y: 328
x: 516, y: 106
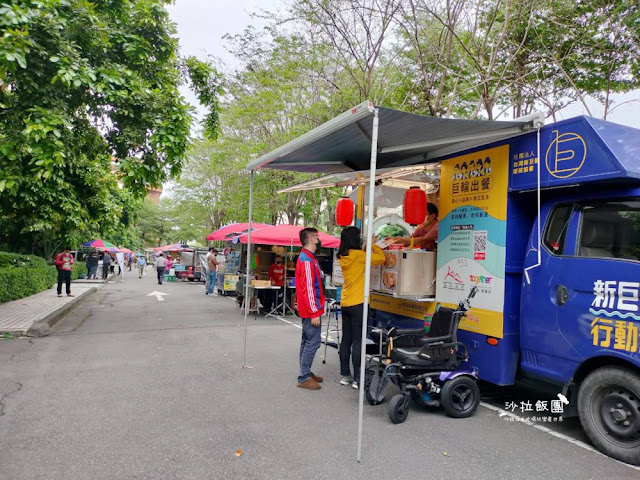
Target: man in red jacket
x: 64, y: 261
x: 310, y: 299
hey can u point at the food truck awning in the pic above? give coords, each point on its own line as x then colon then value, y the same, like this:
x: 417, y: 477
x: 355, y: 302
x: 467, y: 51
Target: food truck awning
x: 343, y: 144
x: 423, y: 176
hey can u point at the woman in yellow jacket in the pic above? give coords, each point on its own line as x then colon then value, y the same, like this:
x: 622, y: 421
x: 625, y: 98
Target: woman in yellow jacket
x: 352, y: 259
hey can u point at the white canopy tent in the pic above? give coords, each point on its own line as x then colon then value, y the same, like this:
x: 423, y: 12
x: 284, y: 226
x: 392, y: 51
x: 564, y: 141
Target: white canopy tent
x: 366, y: 137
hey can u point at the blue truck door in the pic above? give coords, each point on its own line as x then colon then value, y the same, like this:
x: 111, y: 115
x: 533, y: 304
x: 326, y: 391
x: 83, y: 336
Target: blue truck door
x: 545, y: 351
x: 602, y: 275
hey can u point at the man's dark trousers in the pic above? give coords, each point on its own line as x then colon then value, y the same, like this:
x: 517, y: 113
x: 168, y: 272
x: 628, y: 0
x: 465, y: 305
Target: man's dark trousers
x: 64, y: 276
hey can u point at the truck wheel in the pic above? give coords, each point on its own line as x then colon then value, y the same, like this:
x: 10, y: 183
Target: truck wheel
x: 460, y: 397
x: 609, y: 409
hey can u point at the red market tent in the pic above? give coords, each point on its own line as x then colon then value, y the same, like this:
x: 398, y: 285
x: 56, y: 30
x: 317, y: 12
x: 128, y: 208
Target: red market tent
x: 285, y: 235
x: 223, y: 232
x: 172, y: 247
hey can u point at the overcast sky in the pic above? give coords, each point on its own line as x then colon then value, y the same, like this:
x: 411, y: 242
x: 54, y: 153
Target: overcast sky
x: 203, y: 23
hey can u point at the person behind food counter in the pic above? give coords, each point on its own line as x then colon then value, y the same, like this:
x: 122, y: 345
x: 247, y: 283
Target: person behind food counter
x: 352, y: 260
x: 426, y: 235
x: 276, y: 275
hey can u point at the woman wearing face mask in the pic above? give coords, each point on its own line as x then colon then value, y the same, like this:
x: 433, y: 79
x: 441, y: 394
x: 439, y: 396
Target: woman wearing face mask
x: 352, y: 260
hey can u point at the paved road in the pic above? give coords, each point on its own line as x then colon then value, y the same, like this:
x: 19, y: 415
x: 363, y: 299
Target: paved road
x: 130, y: 387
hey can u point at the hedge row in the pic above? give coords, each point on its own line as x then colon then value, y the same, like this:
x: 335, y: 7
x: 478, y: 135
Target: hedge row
x: 79, y: 268
x: 25, y: 275
x: 21, y: 282
x: 18, y: 260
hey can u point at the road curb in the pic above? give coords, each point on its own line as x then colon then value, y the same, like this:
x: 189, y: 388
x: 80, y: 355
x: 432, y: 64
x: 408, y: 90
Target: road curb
x: 42, y: 327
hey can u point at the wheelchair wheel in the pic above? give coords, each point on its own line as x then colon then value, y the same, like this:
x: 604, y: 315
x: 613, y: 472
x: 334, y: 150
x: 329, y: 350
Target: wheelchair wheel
x: 374, y: 385
x: 460, y: 397
x: 398, y: 408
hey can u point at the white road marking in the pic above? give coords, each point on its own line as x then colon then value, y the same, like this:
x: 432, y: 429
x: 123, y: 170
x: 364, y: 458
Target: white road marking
x: 578, y: 443
x: 158, y: 295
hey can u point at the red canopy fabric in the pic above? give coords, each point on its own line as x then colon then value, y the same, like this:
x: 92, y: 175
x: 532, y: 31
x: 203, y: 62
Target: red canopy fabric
x: 172, y: 247
x: 223, y: 232
x: 283, y: 235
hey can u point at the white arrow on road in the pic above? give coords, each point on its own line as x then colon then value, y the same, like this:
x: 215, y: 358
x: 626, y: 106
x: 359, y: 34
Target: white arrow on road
x: 158, y: 295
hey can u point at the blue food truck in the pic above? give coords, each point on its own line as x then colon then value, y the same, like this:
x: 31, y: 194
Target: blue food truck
x: 559, y: 284
x: 544, y: 221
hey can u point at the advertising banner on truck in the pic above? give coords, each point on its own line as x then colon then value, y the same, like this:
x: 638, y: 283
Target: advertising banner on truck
x: 472, y: 236
x: 573, y: 151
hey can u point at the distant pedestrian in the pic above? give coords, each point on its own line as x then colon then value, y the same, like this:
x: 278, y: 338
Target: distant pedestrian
x: 310, y: 298
x: 106, y: 262
x: 212, y: 265
x: 64, y: 262
x: 142, y: 262
x: 112, y: 264
x: 206, y: 279
x: 92, y: 264
x: 161, y: 263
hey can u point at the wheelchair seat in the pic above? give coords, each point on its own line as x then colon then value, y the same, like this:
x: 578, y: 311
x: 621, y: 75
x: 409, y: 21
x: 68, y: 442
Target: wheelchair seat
x: 412, y: 357
x: 434, y: 350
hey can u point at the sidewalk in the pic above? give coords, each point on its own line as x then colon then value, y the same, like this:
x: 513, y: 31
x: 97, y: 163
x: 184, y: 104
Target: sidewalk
x: 35, y: 314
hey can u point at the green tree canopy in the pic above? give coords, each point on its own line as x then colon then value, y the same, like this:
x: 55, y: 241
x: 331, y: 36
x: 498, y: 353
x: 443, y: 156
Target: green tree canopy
x: 89, y: 99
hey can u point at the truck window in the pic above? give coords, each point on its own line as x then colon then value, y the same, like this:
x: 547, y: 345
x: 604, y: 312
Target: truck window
x: 611, y: 230
x: 557, y: 229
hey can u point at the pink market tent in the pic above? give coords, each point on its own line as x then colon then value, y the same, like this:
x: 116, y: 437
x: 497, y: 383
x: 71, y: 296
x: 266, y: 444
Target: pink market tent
x: 223, y: 232
x: 172, y: 247
x: 285, y: 235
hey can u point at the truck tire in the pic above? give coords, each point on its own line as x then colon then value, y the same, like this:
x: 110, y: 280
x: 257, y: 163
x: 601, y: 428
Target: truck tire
x: 609, y: 409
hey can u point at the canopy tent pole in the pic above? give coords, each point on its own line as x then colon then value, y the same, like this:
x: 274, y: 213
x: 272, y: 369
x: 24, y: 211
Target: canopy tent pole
x: 526, y: 270
x: 247, y: 300
x: 367, y: 278
x: 284, y: 299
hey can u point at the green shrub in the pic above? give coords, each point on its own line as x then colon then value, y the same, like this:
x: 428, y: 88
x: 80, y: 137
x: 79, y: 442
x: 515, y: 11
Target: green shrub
x: 24, y: 275
x: 18, y: 260
x: 24, y: 281
x: 78, y: 269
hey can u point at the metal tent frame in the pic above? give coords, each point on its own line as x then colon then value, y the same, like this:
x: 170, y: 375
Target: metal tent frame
x: 353, y: 141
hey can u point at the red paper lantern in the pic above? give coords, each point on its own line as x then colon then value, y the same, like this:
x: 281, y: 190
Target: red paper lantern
x: 415, y: 206
x: 344, y: 212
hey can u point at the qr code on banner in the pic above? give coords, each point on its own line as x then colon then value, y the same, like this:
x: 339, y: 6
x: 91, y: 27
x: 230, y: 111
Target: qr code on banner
x: 479, y: 244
